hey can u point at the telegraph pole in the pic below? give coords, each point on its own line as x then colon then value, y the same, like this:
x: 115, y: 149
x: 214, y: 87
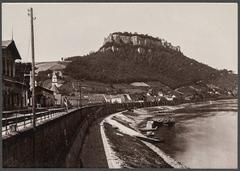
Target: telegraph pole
x: 80, y: 95
x: 30, y: 13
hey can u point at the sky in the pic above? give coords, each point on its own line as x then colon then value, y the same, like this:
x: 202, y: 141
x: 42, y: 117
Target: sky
x: 206, y: 32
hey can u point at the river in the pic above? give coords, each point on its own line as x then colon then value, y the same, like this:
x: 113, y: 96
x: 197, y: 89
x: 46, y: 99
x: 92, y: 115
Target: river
x: 204, y: 136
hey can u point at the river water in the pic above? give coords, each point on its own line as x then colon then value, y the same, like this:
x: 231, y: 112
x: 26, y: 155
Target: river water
x: 204, y: 136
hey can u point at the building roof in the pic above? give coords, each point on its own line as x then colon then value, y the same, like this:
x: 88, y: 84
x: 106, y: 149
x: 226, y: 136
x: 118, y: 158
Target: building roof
x: 96, y: 98
x: 43, y: 89
x: 54, y: 89
x: 6, y: 43
x: 14, y: 82
x: 10, y: 44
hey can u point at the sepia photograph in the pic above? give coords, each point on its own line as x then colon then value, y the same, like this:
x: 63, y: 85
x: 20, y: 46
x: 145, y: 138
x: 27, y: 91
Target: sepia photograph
x: 120, y: 85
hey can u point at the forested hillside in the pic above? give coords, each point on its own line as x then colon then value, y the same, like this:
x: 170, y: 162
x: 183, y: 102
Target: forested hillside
x: 119, y: 62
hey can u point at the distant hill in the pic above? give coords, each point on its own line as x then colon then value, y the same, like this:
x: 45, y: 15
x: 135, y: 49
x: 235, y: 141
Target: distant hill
x: 52, y: 65
x: 127, y: 58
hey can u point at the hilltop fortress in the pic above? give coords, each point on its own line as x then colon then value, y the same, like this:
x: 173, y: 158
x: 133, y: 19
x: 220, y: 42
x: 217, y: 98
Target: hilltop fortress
x: 135, y: 39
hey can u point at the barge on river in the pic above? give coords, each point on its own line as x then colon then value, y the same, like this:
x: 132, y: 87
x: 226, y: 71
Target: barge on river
x: 165, y: 120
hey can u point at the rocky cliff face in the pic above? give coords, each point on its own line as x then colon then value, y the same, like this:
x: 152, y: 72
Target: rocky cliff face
x: 140, y: 40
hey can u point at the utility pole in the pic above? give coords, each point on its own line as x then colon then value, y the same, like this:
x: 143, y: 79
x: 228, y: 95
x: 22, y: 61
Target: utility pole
x: 80, y: 95
x: 30, y: 13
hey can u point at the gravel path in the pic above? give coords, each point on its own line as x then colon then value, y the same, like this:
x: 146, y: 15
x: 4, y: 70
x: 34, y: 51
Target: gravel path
x: 93, y: 154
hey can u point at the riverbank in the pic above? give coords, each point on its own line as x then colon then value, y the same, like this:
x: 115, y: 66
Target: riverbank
x: 129, y: 147
x: 195, y: 140
x: 126, y: 150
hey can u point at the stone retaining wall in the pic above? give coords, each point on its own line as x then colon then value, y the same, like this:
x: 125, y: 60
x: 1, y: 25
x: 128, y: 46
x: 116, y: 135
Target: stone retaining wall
x: 58, y: 142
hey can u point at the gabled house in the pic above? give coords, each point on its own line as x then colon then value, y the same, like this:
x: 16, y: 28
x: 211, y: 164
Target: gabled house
x: 14, y: 91
x: 96, y: 98
x: 44, y: 97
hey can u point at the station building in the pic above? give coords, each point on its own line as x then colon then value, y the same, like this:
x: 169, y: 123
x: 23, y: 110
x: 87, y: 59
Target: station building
x: 14, y: 91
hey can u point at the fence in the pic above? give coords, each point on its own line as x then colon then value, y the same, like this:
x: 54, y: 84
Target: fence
x: 23, y: 120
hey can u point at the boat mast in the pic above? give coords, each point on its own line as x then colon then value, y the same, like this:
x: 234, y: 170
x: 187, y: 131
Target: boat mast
x: 33, y: 67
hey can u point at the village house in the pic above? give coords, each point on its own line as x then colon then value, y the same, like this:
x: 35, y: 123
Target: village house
x: 149, y: 98
x: 127, y: 98
x: 76, y: 101
x: 15, y: 93
x: 170, y: 97
x: 137, y: 97
x: 115, y: 99
x: 119, y: 98
x: 96, y: 98
x: 44, y: 97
